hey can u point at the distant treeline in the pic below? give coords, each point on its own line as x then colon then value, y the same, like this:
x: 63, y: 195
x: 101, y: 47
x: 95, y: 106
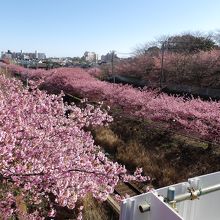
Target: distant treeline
x: 179, y: 60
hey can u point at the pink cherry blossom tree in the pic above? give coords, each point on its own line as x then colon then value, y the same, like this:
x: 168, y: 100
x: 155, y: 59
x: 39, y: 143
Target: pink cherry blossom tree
x: 193, y: 116
x: 47, y: 157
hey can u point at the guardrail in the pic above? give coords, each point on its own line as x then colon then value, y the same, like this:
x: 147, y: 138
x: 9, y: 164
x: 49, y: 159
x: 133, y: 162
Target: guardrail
x: 197, y: 199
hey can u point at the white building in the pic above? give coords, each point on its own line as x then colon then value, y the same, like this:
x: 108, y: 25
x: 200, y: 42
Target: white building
x: 36, y: 54
x: 41, y: 56
x: 7, y: 55
x: 90, y: 56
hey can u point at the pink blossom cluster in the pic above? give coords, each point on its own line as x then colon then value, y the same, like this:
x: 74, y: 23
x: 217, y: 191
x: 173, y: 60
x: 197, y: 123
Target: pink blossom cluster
x: 197, y: 117
x: 96, y: 72
x: 198, y: 69
x: 43, y: 152
x: 143, y: 65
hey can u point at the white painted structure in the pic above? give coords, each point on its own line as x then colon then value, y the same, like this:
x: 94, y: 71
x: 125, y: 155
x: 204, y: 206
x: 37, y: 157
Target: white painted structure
x: 197, y: 199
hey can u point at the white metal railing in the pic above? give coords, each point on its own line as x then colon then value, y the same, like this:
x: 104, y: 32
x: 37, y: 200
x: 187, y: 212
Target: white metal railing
x: 197, y: 199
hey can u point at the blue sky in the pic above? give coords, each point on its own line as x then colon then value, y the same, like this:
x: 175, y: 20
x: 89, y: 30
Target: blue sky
x: 70, y: 27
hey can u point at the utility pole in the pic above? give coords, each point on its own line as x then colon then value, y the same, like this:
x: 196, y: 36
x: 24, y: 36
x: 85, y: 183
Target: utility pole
x: 162, y: 62
x: 112, y: 64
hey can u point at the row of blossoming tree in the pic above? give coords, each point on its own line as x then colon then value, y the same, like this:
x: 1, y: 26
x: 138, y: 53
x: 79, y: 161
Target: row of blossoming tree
x: 195, y: 69
x: 49, y: 160
x: 192, y: 115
